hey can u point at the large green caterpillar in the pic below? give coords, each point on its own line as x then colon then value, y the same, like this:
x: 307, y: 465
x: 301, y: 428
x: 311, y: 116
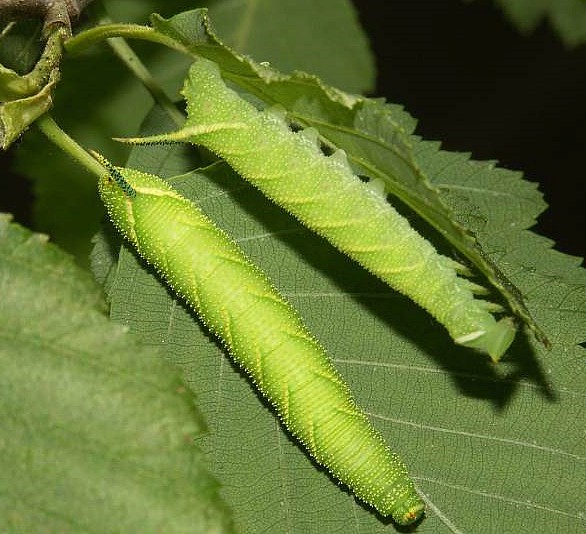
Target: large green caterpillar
x: 325, y: 195
x: 263, y: 333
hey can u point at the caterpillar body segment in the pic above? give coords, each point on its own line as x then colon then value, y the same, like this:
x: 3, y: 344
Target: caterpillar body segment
x: 326, y: 196
x: 264, y: 335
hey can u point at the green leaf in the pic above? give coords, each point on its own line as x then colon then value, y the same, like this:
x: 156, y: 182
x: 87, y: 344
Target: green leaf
x: 97, y: 431
x: 378, y: 139
x: 492, y: 449
x: 23, y: 99
x: 20, y: 45
x: 568, y: 17
x: 323, y: 37
x: 17, y: 115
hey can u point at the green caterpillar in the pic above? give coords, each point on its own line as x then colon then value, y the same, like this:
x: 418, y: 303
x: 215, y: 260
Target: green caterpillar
x: 326, y: 196
x: 263, y: 333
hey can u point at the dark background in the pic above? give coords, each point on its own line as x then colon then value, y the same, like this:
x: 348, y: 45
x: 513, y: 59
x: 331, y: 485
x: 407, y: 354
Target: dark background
x: 477, y: 85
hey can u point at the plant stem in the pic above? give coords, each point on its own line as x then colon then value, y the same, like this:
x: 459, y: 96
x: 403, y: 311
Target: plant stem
x: 115, y: 34
x: 132, y: 31
x: 127, y: 55
x: 54, y: 133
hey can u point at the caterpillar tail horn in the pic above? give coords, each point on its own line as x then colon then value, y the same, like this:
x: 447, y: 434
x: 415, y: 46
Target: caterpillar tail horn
x: 183, y: 135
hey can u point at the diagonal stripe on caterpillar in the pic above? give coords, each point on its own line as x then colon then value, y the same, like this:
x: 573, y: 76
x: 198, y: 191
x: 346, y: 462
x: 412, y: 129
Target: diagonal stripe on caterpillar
x: 326, y: 196
x: 263, y: 334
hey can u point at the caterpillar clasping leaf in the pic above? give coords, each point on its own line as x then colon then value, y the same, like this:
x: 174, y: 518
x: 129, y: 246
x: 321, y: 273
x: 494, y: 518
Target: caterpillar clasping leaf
x: 326, y: 196
x: 263, y: 333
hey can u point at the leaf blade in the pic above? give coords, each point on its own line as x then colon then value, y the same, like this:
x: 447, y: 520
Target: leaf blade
x: 483, y: 444
x: 98, y: 434
x: 377, y: 137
